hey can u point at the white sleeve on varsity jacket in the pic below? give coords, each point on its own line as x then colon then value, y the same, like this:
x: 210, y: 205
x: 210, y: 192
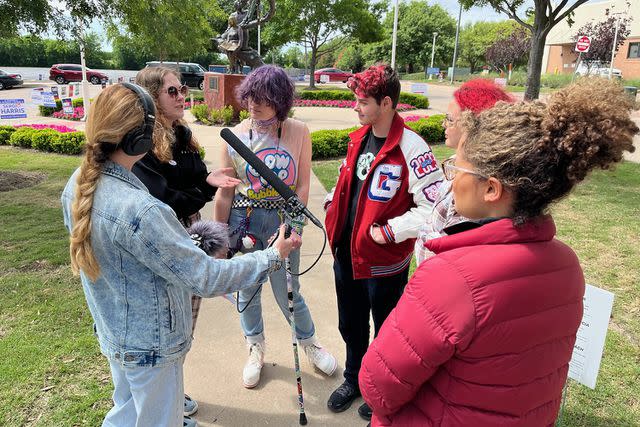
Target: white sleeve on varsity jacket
x: 425, y: 176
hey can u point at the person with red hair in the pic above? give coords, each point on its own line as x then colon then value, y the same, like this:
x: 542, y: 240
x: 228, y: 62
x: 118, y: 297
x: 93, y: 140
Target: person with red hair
x: 476, y: 96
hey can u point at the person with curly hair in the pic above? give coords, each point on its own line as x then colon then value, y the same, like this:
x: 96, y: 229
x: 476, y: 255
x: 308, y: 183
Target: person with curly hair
x: 254, y: 210
x: 138, y: 265
x: 476, y: 96
x: 485, y: 329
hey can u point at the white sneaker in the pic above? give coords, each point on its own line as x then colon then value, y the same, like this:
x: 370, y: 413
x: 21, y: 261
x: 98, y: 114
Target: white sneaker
x: 321, y: 358
x: 251, y: 371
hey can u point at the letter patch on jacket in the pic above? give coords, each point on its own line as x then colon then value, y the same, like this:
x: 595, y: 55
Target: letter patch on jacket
x: 424, y: 164
x: 431, y: 191
x: 385, y: 182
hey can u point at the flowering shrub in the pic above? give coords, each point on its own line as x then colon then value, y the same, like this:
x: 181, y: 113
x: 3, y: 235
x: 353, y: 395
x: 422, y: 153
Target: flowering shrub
x: 78, y: 113
x: 414, y: 118
x: 187, y: 104
x: 59, y: 128
x: 339, y: 104
x: 44, y: 138
x: 418, y: 101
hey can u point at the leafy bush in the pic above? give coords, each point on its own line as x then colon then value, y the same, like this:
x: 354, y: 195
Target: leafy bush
x: 5, y: 134
x: 417, y: 101
x: 227, y: 115
x: 327, y: 95
x: 431, y: 129
x: 333, y: 143
x: 330, y: 143
x: 215, y: 116
x: 44, y: 139
x: 244, y: 114
x: 69, y: 143
x: 22, y: 137
x: 200, y: 112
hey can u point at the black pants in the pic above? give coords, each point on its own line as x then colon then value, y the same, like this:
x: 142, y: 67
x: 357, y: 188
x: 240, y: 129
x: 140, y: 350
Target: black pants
x: 356, y: 298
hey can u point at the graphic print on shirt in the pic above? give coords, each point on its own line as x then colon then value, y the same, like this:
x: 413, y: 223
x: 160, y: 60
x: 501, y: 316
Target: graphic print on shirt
x: 423, y: 164
x: 364, y: 165
x: 385, y: 182
x: 431, y: 191
x: 281, y: 163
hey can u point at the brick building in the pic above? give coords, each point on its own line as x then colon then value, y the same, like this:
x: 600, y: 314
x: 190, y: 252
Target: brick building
x: 559, y: 56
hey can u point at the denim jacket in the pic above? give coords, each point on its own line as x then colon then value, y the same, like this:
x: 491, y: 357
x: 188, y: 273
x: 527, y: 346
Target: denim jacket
x: 149, y: 268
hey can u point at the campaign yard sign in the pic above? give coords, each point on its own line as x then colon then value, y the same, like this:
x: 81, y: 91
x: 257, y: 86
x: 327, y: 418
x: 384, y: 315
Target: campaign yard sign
x: 12, y: 109
x: 48, y: 100
x: 419, y: 88
x: 36, y: 96
x: 67, y: 105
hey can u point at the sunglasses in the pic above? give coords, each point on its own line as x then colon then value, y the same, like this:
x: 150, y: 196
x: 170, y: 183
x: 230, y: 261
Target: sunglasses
x: 173, y: 91
x: 449, y: 169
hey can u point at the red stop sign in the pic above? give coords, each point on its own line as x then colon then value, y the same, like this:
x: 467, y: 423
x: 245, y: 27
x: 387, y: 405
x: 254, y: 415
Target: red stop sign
x: 583, y: 43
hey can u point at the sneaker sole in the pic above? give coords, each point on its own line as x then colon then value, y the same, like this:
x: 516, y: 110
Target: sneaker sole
x: 193, y: 411
x: 250, y: 386
x: 332, y: 371
x: 343, y: 408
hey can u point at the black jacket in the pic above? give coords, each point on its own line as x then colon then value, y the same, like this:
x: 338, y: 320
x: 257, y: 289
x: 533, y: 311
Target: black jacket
x: 180, y: 183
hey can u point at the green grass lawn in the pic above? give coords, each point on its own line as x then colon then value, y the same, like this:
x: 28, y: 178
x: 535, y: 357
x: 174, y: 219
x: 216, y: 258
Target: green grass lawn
x: 51, y: 370
x: 600, y: 221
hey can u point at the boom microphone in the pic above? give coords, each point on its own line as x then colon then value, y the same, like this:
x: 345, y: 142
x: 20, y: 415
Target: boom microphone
x: 294, y: 204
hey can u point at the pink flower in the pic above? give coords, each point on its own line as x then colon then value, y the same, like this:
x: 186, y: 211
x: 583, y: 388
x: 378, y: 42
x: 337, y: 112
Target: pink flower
x: 58, y: 128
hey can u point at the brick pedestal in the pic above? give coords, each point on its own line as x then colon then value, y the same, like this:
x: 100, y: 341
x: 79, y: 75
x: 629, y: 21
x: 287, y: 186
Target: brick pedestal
x: 220, y: 90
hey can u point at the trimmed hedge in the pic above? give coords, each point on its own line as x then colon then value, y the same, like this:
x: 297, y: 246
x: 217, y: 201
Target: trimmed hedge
x: 48, y: 111
x: 43, y: 139
x: 417, y: 101
x: 333, y: 143
x: 5, y: 134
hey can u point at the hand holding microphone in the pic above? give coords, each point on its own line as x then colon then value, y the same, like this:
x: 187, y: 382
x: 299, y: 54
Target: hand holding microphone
x: 284, y: 243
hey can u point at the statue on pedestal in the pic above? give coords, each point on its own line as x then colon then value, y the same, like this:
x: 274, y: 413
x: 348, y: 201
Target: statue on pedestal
x: 234, y: 42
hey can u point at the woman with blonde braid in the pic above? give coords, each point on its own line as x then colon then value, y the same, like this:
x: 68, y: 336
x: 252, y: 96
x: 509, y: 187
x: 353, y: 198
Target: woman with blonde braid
x: 137, y: 264
x: 485, y: 329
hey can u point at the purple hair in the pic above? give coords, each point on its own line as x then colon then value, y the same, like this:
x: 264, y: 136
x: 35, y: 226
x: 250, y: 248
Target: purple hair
x: 269, y: 84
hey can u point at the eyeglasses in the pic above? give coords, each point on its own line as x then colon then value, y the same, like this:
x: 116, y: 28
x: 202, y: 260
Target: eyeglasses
x: 447, y: 121
x: 173, y: 91
x: 449, y: 169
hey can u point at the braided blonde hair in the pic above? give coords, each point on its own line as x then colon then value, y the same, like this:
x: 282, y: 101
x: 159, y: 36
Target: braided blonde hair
x: 152, y: 79
x: 115, y: 112
x: 541, y: 151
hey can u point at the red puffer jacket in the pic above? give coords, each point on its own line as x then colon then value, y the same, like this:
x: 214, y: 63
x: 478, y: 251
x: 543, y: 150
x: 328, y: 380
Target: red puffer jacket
x: 483, y: 333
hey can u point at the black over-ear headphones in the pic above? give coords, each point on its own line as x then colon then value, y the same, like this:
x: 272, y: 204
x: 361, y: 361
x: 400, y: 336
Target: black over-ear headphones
x: 140, y: 140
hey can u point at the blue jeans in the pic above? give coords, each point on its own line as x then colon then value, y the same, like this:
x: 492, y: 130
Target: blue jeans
x: 263, y: 223
x: 146, y: 396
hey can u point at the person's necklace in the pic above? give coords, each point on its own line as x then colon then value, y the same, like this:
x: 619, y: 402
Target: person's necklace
x: 263, y: 127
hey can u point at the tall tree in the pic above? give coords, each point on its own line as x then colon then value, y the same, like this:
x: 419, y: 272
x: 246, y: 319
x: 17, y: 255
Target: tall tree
x: 509, y: 50
x: 316, y: 23
x: 602, y: 35
x: 170, y: 29
x: 416, y: 24
x: 476, y: 38
x: 546, y: 15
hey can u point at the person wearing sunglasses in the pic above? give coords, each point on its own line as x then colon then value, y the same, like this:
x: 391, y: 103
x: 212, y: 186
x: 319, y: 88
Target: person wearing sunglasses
x: 173, y: 171
x: 485, y: 329
x: 475, y: 95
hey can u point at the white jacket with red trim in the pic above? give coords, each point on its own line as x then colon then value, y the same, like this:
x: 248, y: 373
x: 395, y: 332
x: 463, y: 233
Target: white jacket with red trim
x: 399, y: 191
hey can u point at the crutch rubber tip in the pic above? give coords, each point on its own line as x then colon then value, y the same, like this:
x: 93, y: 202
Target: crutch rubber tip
x: 303, y: 419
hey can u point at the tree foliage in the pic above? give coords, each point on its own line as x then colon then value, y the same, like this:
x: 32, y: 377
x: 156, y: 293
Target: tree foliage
x: 316, y: 23
x: 545, y: 15
x: 510, y: 49
x: 476, y: 38
x: 602, y: 34
x: 32, y: 51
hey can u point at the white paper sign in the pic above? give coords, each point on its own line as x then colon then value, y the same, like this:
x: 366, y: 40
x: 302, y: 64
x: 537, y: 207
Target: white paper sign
x: 36, y: 96
x: 324, y: 78
x: 67, y: 105
x: 12, y: 109
x: 587, y: 352
x: 419, y: 88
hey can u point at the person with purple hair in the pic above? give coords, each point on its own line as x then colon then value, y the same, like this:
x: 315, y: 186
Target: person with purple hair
x: 254, y: 210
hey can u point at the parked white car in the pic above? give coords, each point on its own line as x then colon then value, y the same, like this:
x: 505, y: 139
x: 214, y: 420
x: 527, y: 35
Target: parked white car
x: 596, y: 69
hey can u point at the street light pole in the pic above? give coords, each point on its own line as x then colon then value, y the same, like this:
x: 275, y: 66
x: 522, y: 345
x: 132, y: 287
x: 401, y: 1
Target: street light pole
x: 455, y: 48
x: 613, y: 49
x: 395, y: 36
x: 433, y: 51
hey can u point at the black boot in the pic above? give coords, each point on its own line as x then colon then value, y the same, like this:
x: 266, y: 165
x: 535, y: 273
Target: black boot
x: 365, y: 412
x: 342, y: 397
